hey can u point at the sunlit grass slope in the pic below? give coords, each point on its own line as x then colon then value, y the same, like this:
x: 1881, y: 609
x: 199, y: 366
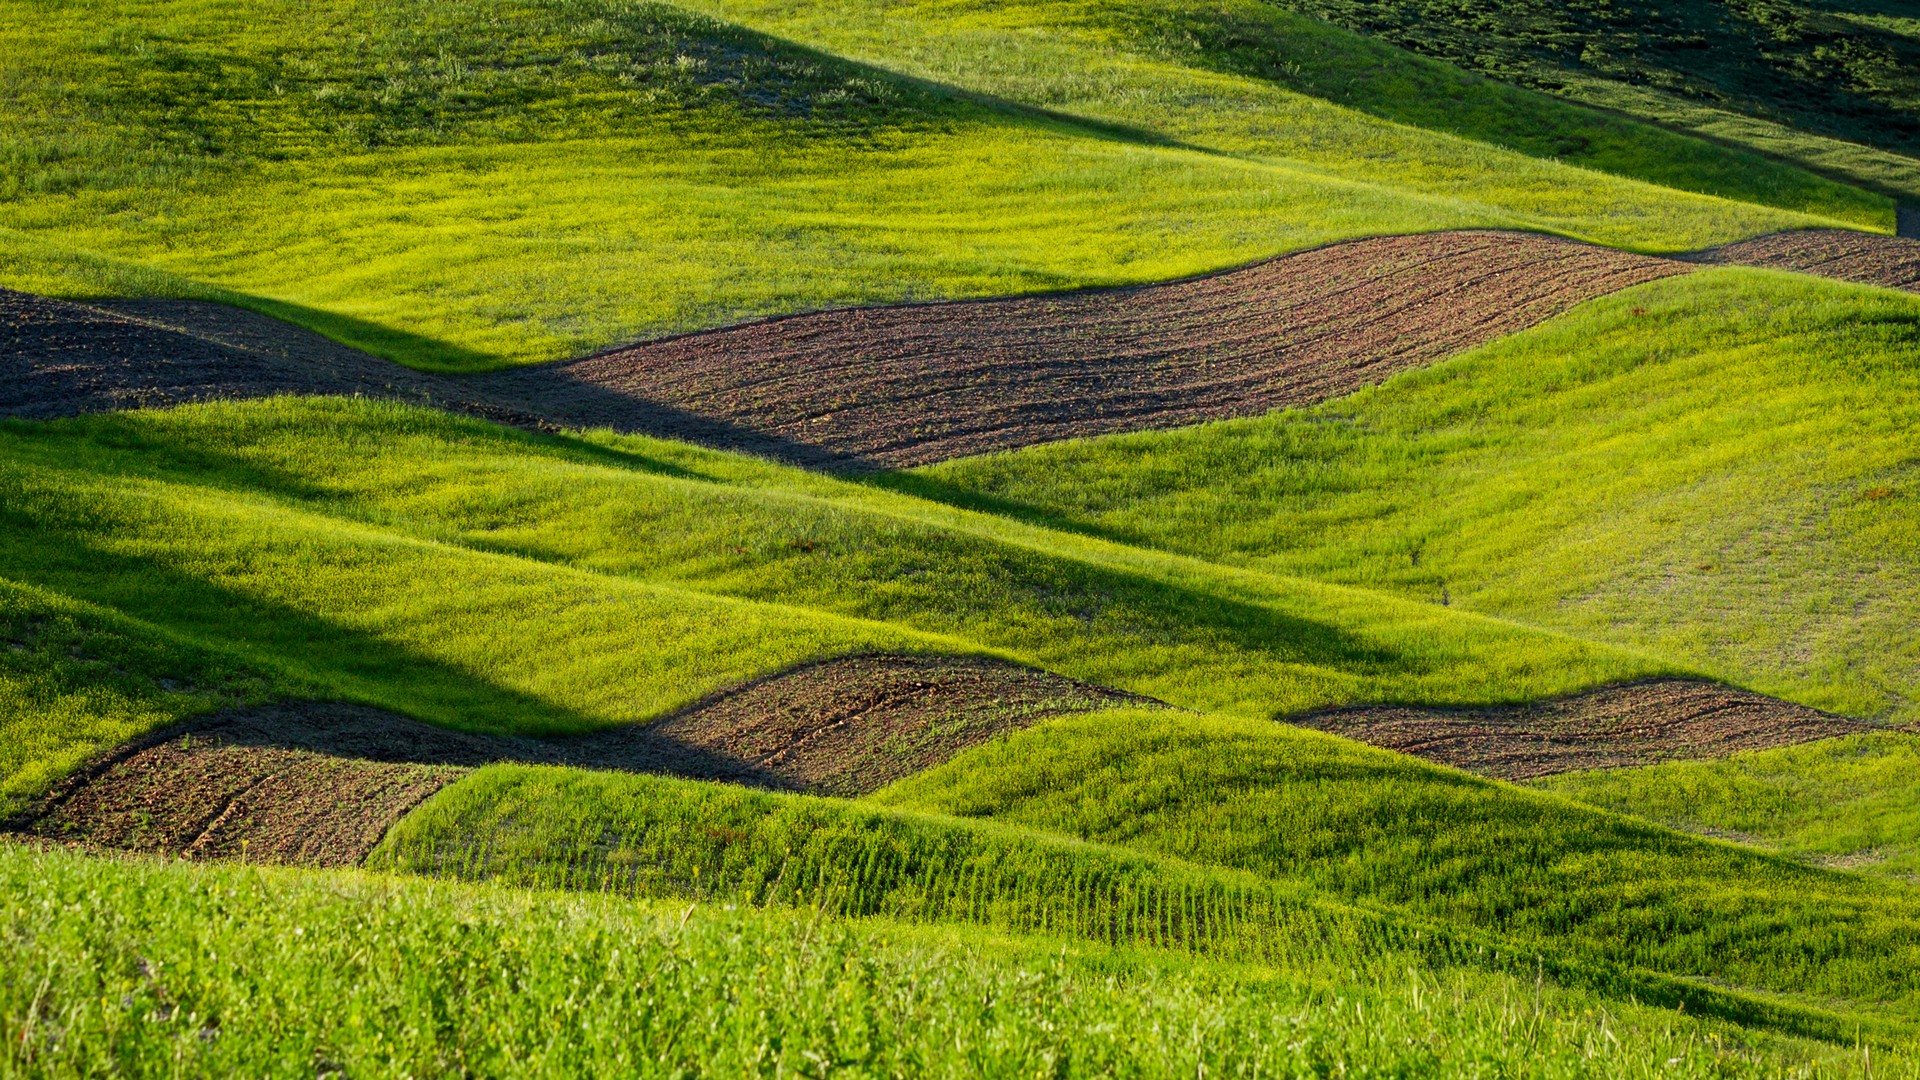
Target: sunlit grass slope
x: 483, y: 183
x: 481, y: 577
x: 1249, y: 78
x: 1852, y: 803
x: 151, y: 968
x: 656, y: 837
x: 1394, y: 832
x: 1718, y: 469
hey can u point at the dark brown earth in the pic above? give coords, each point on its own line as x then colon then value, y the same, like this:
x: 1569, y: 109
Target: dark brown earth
x: 1616, y: 727
x: 1890, y: 261
x: 319, y: 783
x: 890, y: 387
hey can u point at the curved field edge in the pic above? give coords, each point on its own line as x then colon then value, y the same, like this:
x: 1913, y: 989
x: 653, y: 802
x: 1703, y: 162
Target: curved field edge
x: 126, y: 950
x: 633, y: 226
x: 1390, y: 832
x: 642, y: 836
x: 1851, y: 803
x: 1711, y: 468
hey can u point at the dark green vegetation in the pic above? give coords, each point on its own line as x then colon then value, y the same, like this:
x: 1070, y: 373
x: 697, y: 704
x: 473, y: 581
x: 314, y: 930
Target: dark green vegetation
x: 1797, y: 79
x: 463, y: 186
x: 1846, y: 803
x: 1718, y: 468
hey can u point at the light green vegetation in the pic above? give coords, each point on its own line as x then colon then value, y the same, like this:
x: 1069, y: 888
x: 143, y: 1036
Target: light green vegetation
x: 469, y: 185
x: 480, y: 577
x: 1718, y: 469
x: 1852, y: 802
x: 1392, y: 832
x: 647, y: 836
x: 145, y: 968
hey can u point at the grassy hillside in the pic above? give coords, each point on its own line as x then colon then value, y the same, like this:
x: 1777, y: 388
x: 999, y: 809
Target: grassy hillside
x: 1716, y: 469
x: 479, y: 577
x: 1851, y: 803
x: 1832, y: 84
x: 374, y: 976
x: 1388, y: 831
x: 652, y: 837
x: 1232, y: 76
x: 465, y: 186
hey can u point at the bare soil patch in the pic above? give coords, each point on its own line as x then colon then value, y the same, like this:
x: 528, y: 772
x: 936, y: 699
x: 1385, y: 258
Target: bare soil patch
x: 319, y: 783
x: 891, y: 387
x: 899, y: 386
x: 1616, y: 727
x: 1868, y: 258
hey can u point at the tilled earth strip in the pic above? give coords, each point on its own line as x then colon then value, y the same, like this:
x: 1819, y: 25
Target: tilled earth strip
x: 319, y: 783
x: 890, y: 387
x: 1615, y: 727
x: 1889, y: 261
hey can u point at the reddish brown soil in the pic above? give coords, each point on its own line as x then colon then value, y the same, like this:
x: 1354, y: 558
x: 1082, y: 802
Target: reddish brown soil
x: 1849, y: 256
x: 889, y: 387
x: 1638, y: 724
x: 901, y: 386
x: 319, y: 783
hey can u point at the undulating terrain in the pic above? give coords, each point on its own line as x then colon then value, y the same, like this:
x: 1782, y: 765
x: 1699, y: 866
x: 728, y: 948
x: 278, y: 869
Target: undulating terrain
x: 1067, y: 537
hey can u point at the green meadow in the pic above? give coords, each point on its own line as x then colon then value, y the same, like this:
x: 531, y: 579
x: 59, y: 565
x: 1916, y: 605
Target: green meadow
x: 1717, y: 468
x: 1846, y: 803
x: 1709, y: 476
x: 385, y: 976
x: 472, y: 186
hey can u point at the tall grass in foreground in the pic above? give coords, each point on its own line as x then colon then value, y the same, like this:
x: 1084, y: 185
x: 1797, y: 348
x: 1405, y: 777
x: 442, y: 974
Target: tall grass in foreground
x: 643, y: 836
x: 148, y: 968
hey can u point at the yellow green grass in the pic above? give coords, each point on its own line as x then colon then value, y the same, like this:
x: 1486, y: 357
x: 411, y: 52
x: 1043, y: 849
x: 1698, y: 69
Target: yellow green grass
x: 1851, y: 803
x: 1716, y: 469
x: 474, y: 185
x: 1395, y: 833
x: 146, y: 968
x: 479, y: 577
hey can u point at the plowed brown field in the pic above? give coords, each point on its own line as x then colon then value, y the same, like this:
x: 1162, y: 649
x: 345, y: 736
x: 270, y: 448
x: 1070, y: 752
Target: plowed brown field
x: 1849, y: 256
x: 1620, y: 726
x: 888, y: 387
x: 320, y: 783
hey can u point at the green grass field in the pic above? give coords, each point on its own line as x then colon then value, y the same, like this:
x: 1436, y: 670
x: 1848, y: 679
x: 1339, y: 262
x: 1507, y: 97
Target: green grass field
x: 1848, y: 803
x: 381, y: 976
x: 1714, y: 468
x: 612, y: 171
x: 1707, y: 476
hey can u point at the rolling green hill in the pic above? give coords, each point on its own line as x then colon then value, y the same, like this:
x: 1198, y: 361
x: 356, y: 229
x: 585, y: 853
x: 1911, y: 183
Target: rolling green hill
x: 472, y: 186
x: 1715, y: 468
x: 1709, y: 476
